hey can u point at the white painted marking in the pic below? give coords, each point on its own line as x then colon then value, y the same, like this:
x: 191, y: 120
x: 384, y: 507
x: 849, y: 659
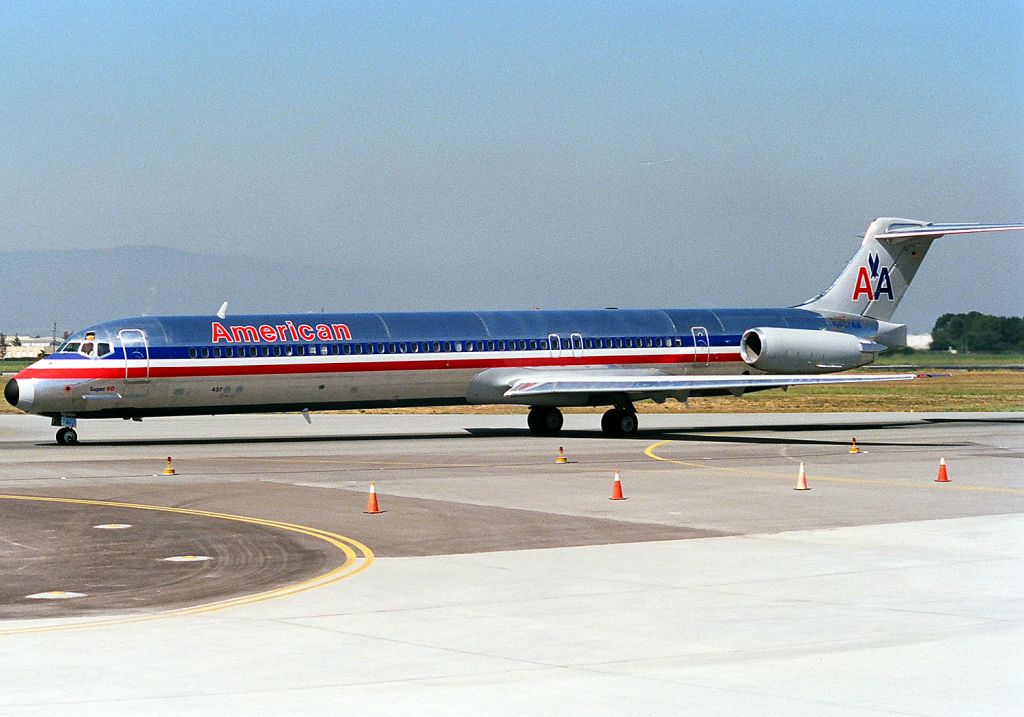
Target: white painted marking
x: 113, y: 526
x: 55, y: 595
x: 187, y: 558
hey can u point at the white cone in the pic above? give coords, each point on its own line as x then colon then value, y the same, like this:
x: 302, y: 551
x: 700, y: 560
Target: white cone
x: 801, y: 479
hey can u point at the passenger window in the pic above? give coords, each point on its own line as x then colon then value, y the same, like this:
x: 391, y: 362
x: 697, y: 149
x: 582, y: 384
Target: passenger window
x: 380, y: 348
x: 347, y: 349
x: 437, y: 347
x: 229, y: 352
x: 469, y: 346
x: 205, y: 352
x: 458, y: 346
x: 265, y: 350
x: 415, y: 347
x: 392, y: 349
x: 216, y: 352
x: 192, y: 353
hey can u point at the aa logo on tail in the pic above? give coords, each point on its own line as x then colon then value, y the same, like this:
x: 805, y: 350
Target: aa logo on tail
x: 875, y: 283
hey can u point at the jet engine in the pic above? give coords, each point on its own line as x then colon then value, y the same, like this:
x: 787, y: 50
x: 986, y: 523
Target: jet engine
x: 776, y: 350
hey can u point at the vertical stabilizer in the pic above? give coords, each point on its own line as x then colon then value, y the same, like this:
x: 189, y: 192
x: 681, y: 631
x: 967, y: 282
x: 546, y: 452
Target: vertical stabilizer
x: 874, y: 281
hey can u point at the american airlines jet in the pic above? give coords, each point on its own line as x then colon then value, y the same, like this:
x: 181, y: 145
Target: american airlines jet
x: 181, y: 365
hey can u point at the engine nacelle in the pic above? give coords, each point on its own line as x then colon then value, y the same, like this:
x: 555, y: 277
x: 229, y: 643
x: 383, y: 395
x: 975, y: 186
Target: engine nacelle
x: 778, y: 350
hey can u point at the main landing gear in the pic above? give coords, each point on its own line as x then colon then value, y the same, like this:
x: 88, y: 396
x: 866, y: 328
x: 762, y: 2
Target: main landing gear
x: 618, y: 422
x: 544, y: 420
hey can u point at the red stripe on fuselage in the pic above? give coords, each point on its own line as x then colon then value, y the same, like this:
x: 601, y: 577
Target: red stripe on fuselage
x: 302, y: 365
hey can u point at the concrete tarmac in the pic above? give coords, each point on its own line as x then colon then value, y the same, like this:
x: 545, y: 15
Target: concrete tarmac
x: 497, y: 581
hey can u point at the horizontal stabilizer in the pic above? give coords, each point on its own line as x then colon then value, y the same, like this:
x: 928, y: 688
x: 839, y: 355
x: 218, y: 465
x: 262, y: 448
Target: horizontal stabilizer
x: 909, y: 231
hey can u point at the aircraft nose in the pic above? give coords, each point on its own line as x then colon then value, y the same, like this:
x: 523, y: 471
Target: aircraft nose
x: 11, y: 392
x: 20, y: 394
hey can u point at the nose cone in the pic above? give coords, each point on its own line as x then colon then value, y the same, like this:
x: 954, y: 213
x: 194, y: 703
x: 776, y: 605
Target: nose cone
x: 11, y: 392
x: 20, y: 393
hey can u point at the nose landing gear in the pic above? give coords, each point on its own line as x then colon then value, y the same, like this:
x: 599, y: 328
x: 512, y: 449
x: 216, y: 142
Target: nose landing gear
x: 67, y: 437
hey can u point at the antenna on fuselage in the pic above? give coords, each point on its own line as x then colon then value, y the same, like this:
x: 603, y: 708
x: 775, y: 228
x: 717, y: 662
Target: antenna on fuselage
x: 223, y: 310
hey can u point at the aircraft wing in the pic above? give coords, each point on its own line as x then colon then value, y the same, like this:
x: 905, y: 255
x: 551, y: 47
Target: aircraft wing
x: 636, y: 386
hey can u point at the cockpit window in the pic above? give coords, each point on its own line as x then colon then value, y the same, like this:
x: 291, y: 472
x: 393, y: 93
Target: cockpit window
x: 69, y: 348
x: 102, y: 349
x: 87, y: 348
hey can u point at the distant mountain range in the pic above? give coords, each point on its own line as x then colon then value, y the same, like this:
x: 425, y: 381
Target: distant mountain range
x: 80, y: 287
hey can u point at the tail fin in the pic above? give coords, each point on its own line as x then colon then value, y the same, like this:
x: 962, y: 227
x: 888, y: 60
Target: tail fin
x: 875, y: 280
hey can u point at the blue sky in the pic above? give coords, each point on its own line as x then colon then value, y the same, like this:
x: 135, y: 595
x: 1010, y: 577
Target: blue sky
x: 491, y: 155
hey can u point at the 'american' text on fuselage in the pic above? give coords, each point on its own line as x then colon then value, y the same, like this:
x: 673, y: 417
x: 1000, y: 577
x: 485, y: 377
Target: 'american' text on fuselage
x: 288, y: 331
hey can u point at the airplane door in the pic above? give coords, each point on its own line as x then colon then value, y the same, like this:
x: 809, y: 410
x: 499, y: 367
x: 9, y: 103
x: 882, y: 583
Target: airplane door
x: 577, y: 345
x: 701, y: 345
x: 555, y: 345
x: 136, y: 355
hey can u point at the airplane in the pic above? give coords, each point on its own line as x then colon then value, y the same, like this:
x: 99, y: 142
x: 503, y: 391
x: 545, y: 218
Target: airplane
x: 148, y: 366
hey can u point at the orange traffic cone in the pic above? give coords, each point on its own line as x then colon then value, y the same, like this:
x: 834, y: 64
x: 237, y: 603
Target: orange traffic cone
x: 853, y: 448
x: 169, y: 468
x: 943, y: 476
x: 617, y: 488
x: 371, y: 502
x: 801, y: 479
x: 560, y: 458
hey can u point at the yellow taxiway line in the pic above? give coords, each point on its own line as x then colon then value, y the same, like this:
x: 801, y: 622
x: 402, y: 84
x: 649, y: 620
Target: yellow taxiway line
x: 754, y: 473
x: 358, y: 558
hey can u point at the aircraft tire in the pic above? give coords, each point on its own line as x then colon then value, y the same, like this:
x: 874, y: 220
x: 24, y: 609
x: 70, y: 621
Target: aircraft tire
x: 617, y: 423
x: 545, y: 420
x: 67, y: 437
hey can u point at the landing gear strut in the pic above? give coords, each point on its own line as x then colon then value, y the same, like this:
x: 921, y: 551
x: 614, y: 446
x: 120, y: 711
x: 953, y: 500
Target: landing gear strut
x: 67, y: 437
x: 544, y: 420
x: 619, y: 422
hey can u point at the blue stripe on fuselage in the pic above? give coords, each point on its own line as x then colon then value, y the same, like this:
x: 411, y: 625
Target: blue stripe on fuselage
x: 170, y: 336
